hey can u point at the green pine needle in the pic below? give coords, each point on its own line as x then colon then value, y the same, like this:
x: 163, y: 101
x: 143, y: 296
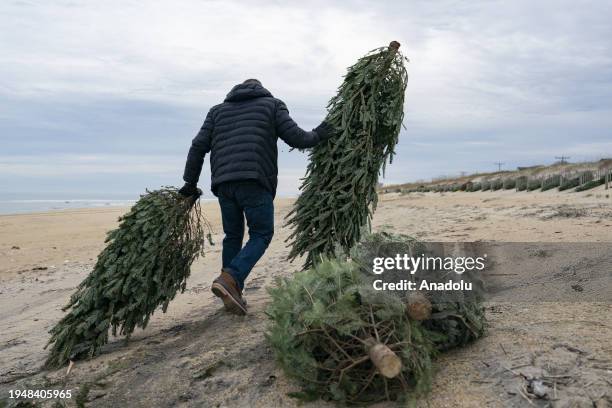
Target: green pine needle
x: 338, y: 194
x: 146, y: 261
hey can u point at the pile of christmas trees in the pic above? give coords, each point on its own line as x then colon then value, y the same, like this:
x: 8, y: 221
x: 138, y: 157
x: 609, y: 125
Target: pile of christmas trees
x: 145, y: 263
x: 344, y: 341
x: 330, y: 330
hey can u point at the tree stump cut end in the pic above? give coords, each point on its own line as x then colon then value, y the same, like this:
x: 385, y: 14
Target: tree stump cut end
x: 385, y: 360
x: 418, y: 306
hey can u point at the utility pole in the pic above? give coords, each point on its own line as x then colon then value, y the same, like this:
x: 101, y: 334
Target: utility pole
x: 499, y: 165
x: 562, y: 159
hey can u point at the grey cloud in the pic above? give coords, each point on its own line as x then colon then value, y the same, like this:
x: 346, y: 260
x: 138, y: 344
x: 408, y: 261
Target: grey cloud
x: 514, y: 81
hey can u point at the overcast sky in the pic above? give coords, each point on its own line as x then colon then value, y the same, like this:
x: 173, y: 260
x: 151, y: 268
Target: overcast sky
x: 105, y: 96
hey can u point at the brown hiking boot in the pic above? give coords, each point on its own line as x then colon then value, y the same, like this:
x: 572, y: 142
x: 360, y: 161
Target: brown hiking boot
x: 226, y: 288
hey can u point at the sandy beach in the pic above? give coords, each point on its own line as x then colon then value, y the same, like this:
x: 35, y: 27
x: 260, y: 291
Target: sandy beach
x: 197, y: 355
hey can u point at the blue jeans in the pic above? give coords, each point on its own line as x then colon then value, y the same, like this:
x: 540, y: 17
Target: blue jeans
x: 240, y: 200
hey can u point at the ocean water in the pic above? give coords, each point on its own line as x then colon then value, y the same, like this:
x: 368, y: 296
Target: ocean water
x: 23, y: 203
x: 31, y: 205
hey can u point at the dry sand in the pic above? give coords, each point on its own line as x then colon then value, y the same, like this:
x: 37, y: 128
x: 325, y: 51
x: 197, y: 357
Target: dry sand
x: 197, y: 355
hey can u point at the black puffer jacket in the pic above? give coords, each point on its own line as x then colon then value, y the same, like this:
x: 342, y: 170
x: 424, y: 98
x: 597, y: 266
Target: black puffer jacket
x: 241, y: 134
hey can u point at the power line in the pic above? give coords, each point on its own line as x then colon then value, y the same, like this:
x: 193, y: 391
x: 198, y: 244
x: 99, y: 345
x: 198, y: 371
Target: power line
x: 499, y: 165
x: 562, y: 159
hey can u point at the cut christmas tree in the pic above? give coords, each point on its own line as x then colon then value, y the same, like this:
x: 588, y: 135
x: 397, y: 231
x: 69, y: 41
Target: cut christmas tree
x: 145, y: 263
x: 458, y: 316
x: 344, y: 341
x: 338, y: 194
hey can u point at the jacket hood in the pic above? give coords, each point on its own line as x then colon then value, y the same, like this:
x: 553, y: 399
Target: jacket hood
x: 243, y: 92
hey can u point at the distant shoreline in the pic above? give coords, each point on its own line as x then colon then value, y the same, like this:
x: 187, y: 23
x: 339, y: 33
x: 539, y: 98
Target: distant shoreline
x: 21, y: 207
x: 61, y: 211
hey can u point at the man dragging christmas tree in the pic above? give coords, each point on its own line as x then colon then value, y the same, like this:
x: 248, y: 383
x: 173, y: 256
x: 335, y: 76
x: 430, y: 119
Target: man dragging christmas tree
x: 241, y: 135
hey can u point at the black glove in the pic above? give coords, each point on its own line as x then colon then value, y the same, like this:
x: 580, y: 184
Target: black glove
x: 190, y: 190
x: 324, y: 130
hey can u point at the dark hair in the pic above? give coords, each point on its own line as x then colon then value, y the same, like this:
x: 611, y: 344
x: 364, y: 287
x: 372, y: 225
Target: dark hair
x: 252, y: 81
